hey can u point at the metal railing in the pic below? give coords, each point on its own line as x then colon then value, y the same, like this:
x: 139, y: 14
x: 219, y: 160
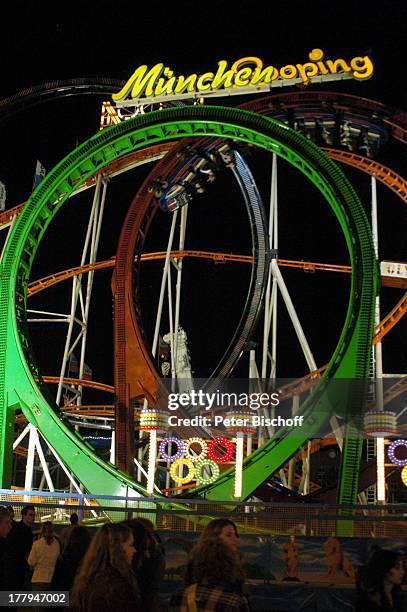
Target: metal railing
x: 192, y: 515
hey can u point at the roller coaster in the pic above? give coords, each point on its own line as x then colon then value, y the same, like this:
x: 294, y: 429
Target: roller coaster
x: 194, y: 146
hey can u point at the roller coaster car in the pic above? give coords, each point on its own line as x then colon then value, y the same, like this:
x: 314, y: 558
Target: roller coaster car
x: 158, y: 187
x: 316, y: 125
x: 176, y: 197
x: 362, y: 135
x: 199, y: 169
x: 227, y: 155
x: 354, y: 132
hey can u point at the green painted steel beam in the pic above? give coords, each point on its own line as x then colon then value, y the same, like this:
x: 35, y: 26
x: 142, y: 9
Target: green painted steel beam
x: 18, y: 369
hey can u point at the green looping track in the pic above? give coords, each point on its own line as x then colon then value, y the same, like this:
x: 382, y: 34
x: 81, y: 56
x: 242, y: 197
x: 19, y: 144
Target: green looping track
x: 19, y: 371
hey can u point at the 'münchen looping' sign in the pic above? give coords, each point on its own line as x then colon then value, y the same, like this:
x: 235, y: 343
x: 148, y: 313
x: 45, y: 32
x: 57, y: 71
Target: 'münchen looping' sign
x: 246, y: 75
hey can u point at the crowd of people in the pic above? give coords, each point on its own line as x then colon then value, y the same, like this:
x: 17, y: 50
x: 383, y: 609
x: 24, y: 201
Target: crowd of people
x: 119, y: 568
x: 122, y: 567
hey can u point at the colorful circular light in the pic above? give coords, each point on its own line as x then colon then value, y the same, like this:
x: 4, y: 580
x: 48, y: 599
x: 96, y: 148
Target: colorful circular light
x: 392, y: 448
x: 164, y: 445
x: 199, y: 468
x: 219, y: 441
x: 151, y: 419
x: 187, y: 446
x: 182, y: 479
x: 380, y: 423
x: 404, y: 475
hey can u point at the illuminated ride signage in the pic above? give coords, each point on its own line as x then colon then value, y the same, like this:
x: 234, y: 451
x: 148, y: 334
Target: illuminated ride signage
x: 246, y: 75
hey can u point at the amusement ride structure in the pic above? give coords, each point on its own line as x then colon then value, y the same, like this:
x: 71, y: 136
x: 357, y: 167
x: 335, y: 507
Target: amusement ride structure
x: 192, y: 148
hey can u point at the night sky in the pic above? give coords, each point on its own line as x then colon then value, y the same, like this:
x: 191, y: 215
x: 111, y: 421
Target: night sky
x: 42, y: 41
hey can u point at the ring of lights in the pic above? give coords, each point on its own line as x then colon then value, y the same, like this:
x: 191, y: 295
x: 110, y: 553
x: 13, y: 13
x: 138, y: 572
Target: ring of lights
x: 182, y: 479
x: 151, y: 419
x: 391, y: 450
x: 200, y: 465
x: 164, y: 445
x: 17, y: 361
x: 187, y: 447
x: 220, y: 441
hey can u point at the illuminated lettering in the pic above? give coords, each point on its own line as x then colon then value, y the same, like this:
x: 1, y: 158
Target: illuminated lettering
x: 247, y: 72
x: 288, y: 72
x: 316, y: 55
x: 307, y: 70
x: 207, y: 76
x: 165, y: 87
x: 140, y: 82
x: 221, y: 79
x: 242, y: 77
x: 263, y: 77
x: 186, y: 84
x: 362, y: 67
x: 338, y: 65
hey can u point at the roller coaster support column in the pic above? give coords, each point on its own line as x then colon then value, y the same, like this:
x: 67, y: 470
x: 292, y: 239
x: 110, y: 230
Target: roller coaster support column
x: 91, y: 246
x: 254, y: 374
x: 293, y: 316
x: 163, y: 281
x: 378, y: 362
x: 97, y: 224
x: 270, y: 302
x: 29, y: 467
x: 179, y: 262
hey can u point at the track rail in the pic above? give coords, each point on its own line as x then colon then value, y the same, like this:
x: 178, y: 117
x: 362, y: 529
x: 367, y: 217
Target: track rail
x: 351, y: 356
x: 393, y: 118
x: 135, y: 375
x: 53, y: 90
x: 352, y: 448
x: 219, y: 258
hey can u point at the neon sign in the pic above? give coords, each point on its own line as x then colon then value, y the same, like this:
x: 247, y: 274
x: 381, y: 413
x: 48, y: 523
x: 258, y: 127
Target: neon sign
x: 246, y: 75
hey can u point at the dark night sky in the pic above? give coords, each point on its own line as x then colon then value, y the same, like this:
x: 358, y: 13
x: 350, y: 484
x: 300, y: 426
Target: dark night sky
x: 43, y: 41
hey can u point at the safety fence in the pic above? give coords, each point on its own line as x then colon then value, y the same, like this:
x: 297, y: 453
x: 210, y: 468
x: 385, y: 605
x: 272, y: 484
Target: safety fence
x: 192, y: 514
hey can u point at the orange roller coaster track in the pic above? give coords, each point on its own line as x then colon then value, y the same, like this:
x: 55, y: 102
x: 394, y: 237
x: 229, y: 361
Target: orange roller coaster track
x: 58, y: 277
x: 79, y: 382
x: 385, y: 175
x: 390, y: 320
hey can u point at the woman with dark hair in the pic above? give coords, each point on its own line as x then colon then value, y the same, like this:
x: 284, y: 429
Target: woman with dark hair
x: 379, y: 583
x: 222, y: 529
x: 217, y: 580
x: 43, y: 557
x: 105, y: 581
x: 72, y: 555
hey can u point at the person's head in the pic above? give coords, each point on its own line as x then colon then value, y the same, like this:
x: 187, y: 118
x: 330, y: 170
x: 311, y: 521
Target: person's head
x: 28, y: 515
x: 141, y: 540
x: 78, y: 543
x: 74, y: 519
x: 224, y: 529
x: 385, y: 568
x: 111, y: 548
x: 11, y: 512
x: 215, y: 562
x: 146, y: 523
x: 5, y: 522
x: 47, y: 531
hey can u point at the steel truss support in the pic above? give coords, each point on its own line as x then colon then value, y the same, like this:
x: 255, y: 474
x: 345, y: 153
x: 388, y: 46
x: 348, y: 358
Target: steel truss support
x: 35, y: 446
x: 82, y: 291
x: 182, y: 232
x: 377, y: 358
